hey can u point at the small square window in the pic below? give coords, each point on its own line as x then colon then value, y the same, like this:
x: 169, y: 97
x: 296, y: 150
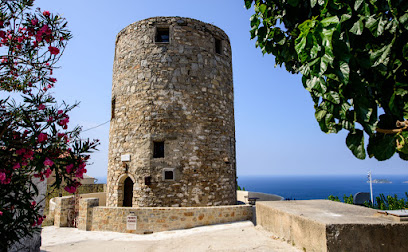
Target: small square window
x: 218, y: 46
x: 162, y: 35
x: 168, y: 175
x: 158, y: 149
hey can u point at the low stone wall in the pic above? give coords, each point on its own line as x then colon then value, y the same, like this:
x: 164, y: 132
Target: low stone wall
x: 64, y: 211
x: 323, y: 225
x: 100, y: 195
x: 156, y: 219
x: 244, y: 195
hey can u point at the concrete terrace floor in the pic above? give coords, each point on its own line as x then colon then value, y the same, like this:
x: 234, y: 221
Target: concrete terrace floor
x: 238, y: 236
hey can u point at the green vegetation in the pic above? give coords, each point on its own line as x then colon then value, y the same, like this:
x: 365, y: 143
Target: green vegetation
x: 353, y: 57
x: 239, y: 188
x: 382, y: 202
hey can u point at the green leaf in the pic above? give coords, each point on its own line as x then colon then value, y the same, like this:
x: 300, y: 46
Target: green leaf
x: 381, y: 56
x: 332, y: 96
x: 248, y: 4
x: 381, y: 146
x: 313, y: 3
x: 404, y: 20
x: 262, y: 8
x: 405, y: 51
x: 357, y: 27
x: 376, y: 25
x: 326, y: 60
x: 293, y: 3
x: 357, y: 4
x: 330, y: 20
x: 355, y: 142
x: 300, y: 44
x: 320, y: 114
x: 345, y: 70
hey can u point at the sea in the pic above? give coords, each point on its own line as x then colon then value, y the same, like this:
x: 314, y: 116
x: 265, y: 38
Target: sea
x: 295, y: 187
x: 321, y: 187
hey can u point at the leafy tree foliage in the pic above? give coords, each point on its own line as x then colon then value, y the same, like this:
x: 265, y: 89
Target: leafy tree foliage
x: 353, y: 57
x: 34, y: 136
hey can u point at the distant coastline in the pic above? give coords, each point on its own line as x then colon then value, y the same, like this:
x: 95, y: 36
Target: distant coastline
x: 381, y: 181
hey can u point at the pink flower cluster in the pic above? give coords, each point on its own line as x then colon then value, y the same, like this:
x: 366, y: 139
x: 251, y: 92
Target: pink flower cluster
x: 42, y: 137
x: 70, y: 189
x: 4, y: 179
x: 64, y: 120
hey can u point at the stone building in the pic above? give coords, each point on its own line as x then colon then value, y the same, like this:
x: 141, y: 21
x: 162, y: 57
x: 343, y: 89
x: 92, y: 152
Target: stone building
x: 172, y: 131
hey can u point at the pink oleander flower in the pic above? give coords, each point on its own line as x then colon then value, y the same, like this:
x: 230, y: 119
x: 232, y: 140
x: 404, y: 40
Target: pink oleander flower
x: 2, y: 177
x: 48, y: 162
x: 34, y: 21
x: 53, y: 50
x: 50, y: 119
x: 1, y: 213
x: 70, y: 189
x: 29, y: 154
x: 47, y: 172
x: 41, y: 107
x: 20, y: 152
x: 69, y: 168
x: 42, y: 137
x: 16, y: 166
x: 33, y: 203
x: 60, y: 112
x: 46, y: 13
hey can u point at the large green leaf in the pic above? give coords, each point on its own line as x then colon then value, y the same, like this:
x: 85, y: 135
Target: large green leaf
x: 332, y: 96
x: 357, y: 4
x: 248, y: 3
x: 381, y: 56
x: 355, y: 142
x: 381, y: 146
x: 357, y: 27
x: 330, y: 20
x: 345, y: 70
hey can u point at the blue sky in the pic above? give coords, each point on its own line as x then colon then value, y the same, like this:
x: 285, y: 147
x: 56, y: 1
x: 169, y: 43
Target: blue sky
x: 276, y: 131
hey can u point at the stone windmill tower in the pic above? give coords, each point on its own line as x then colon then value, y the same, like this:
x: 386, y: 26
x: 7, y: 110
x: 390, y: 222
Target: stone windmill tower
x: 172, y: 133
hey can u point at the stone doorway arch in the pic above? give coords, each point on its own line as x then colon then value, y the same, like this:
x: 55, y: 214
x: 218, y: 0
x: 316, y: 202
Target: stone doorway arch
x: 127, y: 192
x: 129, y: 189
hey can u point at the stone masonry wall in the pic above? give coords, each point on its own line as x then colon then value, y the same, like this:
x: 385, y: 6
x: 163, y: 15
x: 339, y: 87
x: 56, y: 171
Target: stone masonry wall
x: 64, y: 211
x: 156, y: 219
x: 85, y: 212
x: 181, y: 93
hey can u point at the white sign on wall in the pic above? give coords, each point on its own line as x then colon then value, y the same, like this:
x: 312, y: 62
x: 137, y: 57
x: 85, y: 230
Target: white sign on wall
x: 131, y: 223
x: 125, y: 158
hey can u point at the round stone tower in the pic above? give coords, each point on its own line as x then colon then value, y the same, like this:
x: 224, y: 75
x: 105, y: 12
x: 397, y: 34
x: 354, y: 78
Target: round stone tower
x: 172, y: 133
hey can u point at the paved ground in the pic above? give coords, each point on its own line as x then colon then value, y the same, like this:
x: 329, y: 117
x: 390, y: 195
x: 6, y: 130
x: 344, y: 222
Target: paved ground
x: 239, y: 236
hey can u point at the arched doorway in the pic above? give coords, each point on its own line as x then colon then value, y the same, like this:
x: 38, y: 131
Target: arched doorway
x: 128, y: 192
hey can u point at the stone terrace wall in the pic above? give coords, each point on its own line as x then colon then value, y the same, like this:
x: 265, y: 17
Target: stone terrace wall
x: 156, y: 219
x: 181, y: 93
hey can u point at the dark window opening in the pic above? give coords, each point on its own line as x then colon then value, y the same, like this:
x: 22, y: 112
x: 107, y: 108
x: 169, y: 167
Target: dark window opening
x: 113, y: 108
x: 162, y: 35
x: 158, y: 149
x: 218, y: 46
x: 168, y: 175
x: 148, y: 180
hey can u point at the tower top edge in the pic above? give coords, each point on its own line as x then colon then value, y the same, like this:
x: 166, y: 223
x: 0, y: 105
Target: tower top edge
x: 177, y: 20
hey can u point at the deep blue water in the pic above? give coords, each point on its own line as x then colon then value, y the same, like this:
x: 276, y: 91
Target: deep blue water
x: 320, y: 187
